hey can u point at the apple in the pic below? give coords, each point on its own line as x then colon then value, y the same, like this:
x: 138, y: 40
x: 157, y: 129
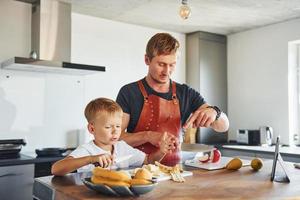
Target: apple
x: 204, y: 158
x: 215, y: 155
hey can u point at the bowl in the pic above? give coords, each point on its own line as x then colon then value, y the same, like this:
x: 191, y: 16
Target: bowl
x: 122, y: 191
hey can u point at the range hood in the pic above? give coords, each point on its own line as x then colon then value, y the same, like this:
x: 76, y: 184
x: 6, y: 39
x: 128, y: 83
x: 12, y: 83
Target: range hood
x: 50, y: 42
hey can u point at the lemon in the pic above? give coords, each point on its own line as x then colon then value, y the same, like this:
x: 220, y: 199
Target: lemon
x: 234, y: 164
x: 256, y: 164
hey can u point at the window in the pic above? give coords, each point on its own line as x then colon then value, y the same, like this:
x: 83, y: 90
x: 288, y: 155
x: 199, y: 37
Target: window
x: 294, y: 92
x: 297, y: 136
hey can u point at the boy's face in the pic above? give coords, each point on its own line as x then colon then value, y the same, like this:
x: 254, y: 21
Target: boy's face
x: 106, y: 128
x: 161, y: 67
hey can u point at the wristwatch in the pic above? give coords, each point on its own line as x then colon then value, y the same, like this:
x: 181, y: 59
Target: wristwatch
x: 217, y: 109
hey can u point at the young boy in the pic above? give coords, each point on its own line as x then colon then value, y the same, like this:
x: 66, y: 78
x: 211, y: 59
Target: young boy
x: 104, y: 118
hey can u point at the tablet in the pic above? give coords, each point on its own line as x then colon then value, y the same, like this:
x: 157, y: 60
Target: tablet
x: 277, y: 157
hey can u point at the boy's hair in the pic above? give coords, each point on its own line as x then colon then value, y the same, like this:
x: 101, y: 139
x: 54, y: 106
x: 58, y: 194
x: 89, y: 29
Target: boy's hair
x: 100, y: 104
x: 161, y: 44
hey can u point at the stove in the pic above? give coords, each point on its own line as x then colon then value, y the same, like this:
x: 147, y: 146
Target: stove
x: 11, y: 148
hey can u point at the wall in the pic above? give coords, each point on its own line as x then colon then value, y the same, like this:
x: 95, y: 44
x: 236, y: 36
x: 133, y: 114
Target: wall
x: 118, y: 46
x: 258, y: 78
x: 47, y: 109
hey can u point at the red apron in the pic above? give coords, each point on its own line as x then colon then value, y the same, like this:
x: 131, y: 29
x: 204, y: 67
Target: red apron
x: 160, y: 115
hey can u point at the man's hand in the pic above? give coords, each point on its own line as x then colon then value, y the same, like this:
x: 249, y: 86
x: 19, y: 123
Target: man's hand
x: 202, y: 117
x: 155, y: 138
x: 167, y: 144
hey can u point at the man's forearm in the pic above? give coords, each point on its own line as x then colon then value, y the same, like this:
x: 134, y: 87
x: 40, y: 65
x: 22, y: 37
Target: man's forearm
x: 135, y: 139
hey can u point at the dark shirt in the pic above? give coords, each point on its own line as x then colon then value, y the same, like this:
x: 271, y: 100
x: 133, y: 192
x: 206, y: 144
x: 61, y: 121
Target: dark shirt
x: 131, y: 100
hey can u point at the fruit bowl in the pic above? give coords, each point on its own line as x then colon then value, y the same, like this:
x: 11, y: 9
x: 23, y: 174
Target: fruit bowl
x: 122, y: 191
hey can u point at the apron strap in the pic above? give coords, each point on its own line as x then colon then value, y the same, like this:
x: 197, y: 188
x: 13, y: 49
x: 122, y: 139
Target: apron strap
x: 143, y: 90
x: 174, y: 97
x: 145, y: 95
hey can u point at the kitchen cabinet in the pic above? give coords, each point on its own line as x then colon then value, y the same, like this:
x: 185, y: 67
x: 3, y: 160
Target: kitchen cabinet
x: 206, y: 68
x: 17, y: 175
x: 42, y: 169
x: 16, y: 182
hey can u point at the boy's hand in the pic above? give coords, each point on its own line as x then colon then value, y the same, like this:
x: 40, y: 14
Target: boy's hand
x: 102, y: 160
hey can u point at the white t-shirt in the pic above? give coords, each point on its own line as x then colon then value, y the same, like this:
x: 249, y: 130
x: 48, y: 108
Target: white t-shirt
x: 121, y: 149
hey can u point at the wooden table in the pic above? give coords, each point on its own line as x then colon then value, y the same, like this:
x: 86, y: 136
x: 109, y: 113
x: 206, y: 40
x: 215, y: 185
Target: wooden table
x: 219, y: 184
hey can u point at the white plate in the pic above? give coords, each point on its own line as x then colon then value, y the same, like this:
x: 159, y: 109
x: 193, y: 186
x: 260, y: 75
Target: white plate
x: 213, y: 166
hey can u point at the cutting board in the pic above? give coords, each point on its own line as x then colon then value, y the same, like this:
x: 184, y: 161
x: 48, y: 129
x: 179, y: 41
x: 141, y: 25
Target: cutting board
x: 214, y: 166
x: 163, y: 176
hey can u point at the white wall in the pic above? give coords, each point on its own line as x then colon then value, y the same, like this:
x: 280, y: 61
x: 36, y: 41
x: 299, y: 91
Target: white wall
x: 120, y: 48
x: 258, y: 78
x: 47, y: 109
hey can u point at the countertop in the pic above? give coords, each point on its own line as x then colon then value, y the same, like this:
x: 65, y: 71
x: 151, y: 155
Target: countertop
x: 242, y: 184
x: 28, y: 158
x: 294, y: 151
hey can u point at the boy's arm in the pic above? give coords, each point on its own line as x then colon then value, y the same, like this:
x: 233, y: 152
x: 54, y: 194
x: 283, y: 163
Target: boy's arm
x: 69, y: 164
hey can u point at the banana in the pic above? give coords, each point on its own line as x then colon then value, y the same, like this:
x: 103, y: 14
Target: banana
x: 110, y: 174
x: 163, y: 168
x: 138, y: 181
x: 143, y: 174
x: 109, y: 182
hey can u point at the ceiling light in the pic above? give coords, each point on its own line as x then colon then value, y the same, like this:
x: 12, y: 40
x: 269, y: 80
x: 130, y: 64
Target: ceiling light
x: 185, y: 10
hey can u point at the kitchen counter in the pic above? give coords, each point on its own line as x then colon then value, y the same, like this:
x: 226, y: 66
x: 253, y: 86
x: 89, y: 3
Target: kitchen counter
x: 283, y: 150
x: 27, y: 159
x: 244, y: 183
x: 291, y: 154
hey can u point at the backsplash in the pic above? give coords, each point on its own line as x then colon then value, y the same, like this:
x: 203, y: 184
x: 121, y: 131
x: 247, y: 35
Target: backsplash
x: 45, y: 109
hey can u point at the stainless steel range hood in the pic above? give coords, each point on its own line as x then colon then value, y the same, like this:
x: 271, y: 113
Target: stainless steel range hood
x: 50, y: 41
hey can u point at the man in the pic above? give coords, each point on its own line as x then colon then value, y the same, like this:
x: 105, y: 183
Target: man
x: 156, y: 107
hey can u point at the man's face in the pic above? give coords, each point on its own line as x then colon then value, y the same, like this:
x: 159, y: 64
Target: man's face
x: 106, y: 128
x: 161, y: 67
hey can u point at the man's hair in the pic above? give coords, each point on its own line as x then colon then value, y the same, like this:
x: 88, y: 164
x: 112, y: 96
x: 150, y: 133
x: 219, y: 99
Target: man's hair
x: 161, y: 44
x: 100, y: 104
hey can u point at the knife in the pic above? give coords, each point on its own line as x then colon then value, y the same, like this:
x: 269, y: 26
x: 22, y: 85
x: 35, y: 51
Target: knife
x: 122, y: 159
x: 117, y: 160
